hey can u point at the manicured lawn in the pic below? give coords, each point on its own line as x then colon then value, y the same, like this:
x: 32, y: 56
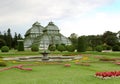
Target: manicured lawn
x: 58, y: 74
x: 13, y: 53
x: 111, y: 54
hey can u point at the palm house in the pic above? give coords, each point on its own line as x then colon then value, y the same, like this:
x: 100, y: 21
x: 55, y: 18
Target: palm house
x: 44, y: 36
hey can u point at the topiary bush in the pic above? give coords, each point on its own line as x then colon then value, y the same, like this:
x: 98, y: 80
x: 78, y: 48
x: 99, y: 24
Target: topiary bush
x: 52, y: 47
x: 20, y: 45
x: 70, y: 48
x: 82, y: 44
x: 99, y: 48
x: 34, y: 48
x: 61, y: 48
x: 5, y: 49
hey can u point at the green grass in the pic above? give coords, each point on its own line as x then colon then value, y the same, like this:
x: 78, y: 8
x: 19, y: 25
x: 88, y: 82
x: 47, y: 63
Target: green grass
x: 13, y: 53
x: 116, y: 54
x: 58, y: 74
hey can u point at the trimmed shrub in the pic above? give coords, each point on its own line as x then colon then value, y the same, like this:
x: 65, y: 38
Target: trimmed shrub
x: 2, y: 63
x: 99, y: 48
x: 82, y: 44
x: 116, y: 48
x: 70, y: 48
x: 61, y: 48
x: 20, y: 45
x: 52, y: 47
x: 34, y: 48
x: 5, y: 49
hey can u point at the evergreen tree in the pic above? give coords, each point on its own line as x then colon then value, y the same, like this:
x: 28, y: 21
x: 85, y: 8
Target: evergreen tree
x: 2, y: 43
x: 19, y: 37
x: 5, y: 37
x: 9, y: 38
x: 15, y: 43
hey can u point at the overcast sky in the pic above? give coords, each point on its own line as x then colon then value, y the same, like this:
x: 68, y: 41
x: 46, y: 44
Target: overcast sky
x: 83, y: 17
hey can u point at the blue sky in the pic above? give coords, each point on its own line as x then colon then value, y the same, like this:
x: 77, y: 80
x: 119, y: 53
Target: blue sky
x: 111, y: 8
x: 83, y: 17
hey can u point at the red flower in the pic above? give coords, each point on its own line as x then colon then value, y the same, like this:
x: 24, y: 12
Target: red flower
x: 67, y: 65
x: 108, y: 74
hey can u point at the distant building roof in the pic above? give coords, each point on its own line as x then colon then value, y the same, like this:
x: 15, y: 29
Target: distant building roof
x: 51, y: 26
x: 36, y: 28
x: 44, y: 36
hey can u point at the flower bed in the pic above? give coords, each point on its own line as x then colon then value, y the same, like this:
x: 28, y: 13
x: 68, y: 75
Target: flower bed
x: 18, y: 67
x: 67, y: 65
x: 107, y: 75
x: 107, y: 59
x: 118, y: 63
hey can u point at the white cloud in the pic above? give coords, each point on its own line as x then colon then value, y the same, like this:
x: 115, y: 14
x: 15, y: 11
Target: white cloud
x: 93, y: 25
x: 14, y: 11
x: 67, y: 14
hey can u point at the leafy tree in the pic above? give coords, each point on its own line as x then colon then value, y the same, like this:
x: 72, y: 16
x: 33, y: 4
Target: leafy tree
x: 82, y: 44
x: 93, y: 41
x: 110, y: 38
x: 74, y: 39
x: 106, y: 47
x: 116, y: 48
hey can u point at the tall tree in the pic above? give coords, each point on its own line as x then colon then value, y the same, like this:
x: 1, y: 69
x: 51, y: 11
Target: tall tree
x: 9, y: 38
x: 15, y: 43
x: 19, y: 37
x: 2, y: 43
